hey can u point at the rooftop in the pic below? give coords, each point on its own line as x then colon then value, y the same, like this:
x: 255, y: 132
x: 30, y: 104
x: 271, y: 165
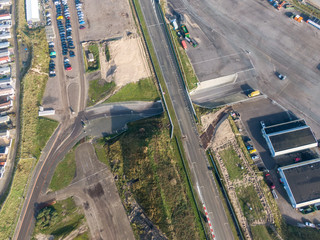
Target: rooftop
x: 285, y: 126
x: 304, y: 180
x: 292, y: 139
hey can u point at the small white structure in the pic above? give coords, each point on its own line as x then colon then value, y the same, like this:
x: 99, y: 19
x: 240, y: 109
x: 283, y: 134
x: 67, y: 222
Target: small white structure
x: 90, y: 57
x: 6, y: 16
x: 5, y: 3
x: 5, y: 35
x: 4, y: 52
x: 4, y: 119
x: 4, y: 44
x: 5, y: 70
x: 32, y: 11
x: 6, y: 91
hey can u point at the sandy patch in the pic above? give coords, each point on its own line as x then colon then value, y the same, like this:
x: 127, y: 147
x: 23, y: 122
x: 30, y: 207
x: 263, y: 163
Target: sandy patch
x: 128, y: 62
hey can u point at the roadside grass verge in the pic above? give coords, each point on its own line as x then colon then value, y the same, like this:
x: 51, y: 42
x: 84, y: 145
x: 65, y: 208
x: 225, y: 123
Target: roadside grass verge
x: 184, y: 61
x: 144, y: 90
x: 147, y: 158
x: 32, y: 89
x: 64, y: 172
x: 233, y: 163
x: 10, y: 209
x: 101, y: 152
x: 95, y: 65
x: 260, y: 232
x: 248, y: 198
x: 98, y: 89
x: 45, y: 128
x: 83, y: 236
x: 59, y: 219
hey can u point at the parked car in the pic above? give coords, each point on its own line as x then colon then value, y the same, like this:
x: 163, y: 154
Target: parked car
x: 249, y: 147
x: 71, y: 53
x: 254, y: 157
x: 82, y: 27
x: 269, y: 181
x: 282, y: 77
x: 52, y: 74
x: 252, y: 150
x: 309, y: 224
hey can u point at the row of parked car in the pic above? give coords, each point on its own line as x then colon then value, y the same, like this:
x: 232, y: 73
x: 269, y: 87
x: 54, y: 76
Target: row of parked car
x: 80, y: 14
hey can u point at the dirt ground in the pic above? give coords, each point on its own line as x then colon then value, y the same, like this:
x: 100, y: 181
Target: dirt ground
x: 112, y: 19
x: 128, y: 62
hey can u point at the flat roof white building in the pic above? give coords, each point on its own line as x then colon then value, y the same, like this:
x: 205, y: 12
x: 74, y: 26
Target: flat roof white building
x: 32, y: 11
x: 4, y: 44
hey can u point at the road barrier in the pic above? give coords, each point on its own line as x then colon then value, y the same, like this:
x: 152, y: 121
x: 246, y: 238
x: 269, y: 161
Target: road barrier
x: 177, y: 62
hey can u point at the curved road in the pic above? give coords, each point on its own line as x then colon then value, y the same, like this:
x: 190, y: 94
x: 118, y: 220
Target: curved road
x: 64, y: 138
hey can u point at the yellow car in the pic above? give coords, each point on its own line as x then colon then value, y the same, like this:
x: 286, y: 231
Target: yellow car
x: 60, y: 17
x: 252, y: 151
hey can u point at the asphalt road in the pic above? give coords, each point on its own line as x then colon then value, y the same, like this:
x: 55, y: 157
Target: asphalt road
x: 202, y: 178
x: 64, y: 138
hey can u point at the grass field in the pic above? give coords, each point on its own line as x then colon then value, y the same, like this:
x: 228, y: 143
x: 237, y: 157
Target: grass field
x: 10, y: 209
x: 233, y: 163
x: 260, y: 232
x: 144, y: 90
x: 248, y: 198
x: 146, y: 153
x: 83, y: 236
x: 98, y: 89
x: 64, y: 172
x: 95, y: 65
x: 60, y: 219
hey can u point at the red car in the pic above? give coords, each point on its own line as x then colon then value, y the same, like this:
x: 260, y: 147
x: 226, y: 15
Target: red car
x: 69, y: 68
x: 269, y: 181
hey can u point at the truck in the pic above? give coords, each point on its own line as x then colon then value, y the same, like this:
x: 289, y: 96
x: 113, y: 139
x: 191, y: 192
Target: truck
x: 174, y: 24
x: 185, y: 31
x: 254, y: 93
x: 184, y: 44
x: 194, y: 42
x: 281, y: 5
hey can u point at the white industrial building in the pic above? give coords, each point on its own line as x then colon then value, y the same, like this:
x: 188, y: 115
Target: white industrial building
x: 32, y: 11
x: 6, y: 16
x: 5, y: 35
x: 289, y: 137
x: 5, y: 70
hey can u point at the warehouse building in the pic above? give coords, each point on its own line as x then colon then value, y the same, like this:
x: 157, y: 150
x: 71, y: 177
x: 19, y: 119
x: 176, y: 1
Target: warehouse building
x: 4, y: 44
x: 32, y: 11
x: 289, y: 137
x: 302, y: 183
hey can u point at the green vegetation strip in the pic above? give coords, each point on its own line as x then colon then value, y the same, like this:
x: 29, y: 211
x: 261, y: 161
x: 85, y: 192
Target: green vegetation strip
x: 34, y: 131
x: 184, y: 61
x: 306, y: 8
x: 235, y: 227
x: 260, y: 232
x: 144, y: 90
x: 233, y: 163
x: 95, y: 65
x: 64, y: 172
x: 98, y: 89
x: 59, y: 219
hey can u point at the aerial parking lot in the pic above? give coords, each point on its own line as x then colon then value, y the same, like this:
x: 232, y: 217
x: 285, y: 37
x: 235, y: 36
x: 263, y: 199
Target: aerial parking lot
x: 110, y: 20
x: 275, y: 43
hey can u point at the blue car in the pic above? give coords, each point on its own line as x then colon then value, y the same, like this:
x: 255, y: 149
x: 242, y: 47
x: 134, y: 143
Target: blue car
x: 82, y: 22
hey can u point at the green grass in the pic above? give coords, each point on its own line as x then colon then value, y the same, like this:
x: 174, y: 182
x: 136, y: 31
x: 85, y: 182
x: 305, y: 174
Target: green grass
x: 10, y: 209
x: 101, y: 152
x: 95, y: 65
x: 98, y: 89
x: 145, y: 153
x: 248, y: 198
x: 66, y: 217
x: 64, y: 172
x: 306, y: 9
x: 45, y: 128
x: 232, y: 163
x: 260, y: 232
x: 184, y: 62
x: 144, y: 90
x: 83, y: 236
